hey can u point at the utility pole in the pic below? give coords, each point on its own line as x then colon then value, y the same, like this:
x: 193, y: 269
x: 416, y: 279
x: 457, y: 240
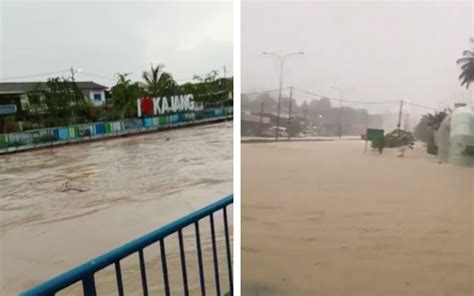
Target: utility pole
x: 339, y: 128
x: 279, y: 100
x: 225, y: 72
x: 400, y: 116
x: 72, y: 73
x: 261, y: 115
x: 282, y: 61
x: 339, y: 125
x: 289, y: 113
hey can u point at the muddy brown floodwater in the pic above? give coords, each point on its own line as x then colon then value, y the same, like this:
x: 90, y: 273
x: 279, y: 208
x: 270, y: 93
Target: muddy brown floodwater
x: 63, y: 206
x: 327, y: 219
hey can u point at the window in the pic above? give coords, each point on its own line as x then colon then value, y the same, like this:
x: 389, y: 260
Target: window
x: 97, y: 97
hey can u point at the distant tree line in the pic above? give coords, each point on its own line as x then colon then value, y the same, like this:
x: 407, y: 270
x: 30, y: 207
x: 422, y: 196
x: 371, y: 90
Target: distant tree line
x: 61, y: 102
x: 320, y: 114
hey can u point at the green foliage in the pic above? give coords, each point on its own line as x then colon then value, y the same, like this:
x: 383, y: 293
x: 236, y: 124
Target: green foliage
x: 58, y: 102
x: 125, y: 94
x: 159, y: 83
x: 398, y: 138
x: 209, y: 90
x: 429, y: 124
x: 467, y: 67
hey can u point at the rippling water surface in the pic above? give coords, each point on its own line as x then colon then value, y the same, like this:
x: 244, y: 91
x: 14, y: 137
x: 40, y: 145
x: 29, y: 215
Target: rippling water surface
x: 95, y: 196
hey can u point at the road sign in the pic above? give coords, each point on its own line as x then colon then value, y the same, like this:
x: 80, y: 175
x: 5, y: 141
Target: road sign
x: 7, y: 109
x: 373, y: 133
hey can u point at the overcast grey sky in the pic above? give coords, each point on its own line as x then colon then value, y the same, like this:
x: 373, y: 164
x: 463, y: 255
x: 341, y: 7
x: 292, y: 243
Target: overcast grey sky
x: 104, y: 38
x: 372, y: 50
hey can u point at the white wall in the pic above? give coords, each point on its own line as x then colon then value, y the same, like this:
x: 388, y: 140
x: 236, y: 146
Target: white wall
x: 96, y: 102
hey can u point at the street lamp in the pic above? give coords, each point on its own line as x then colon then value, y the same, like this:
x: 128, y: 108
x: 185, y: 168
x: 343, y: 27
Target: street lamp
x: 339, y: 127
x: 282, y: 60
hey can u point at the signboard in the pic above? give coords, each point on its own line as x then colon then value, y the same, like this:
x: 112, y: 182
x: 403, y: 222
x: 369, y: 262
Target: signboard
x: 148, y: 106
x: 7, y: 109
x: 373, y: 133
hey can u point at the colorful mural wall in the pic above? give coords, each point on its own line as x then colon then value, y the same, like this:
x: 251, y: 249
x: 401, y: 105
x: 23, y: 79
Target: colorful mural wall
x: 85, y: 132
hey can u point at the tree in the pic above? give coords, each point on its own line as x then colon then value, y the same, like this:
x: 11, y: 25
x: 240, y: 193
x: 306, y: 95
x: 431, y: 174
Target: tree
x: 423, y: 132
x: 427, y: 127
x: 467, y: 67
x: 209, y: 90
x: 152, y: 79
x: 59, y: 101
x: 434, y: 120
x: 125, y: 94
x: 166, y: 85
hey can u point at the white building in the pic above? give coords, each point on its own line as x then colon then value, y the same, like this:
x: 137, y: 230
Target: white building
x: 16, y: 93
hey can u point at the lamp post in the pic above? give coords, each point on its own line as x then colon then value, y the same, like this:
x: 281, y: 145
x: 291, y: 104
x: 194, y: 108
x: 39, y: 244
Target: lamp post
x: 282, y: 61
x: 339, y: 126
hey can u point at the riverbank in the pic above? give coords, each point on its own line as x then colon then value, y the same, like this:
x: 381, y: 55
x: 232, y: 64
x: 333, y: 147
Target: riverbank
x: 325, y: 218
x: 86, y: 133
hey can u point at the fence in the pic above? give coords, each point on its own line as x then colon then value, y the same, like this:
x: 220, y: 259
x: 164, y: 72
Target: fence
x: 85, y: 272
x: 86, y: 132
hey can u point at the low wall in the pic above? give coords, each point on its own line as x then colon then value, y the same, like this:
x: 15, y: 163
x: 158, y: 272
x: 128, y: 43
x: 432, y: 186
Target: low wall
x: 34, y: 139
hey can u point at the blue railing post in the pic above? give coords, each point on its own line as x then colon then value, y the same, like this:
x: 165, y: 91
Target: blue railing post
x: 214, y: 253
x: 229, y: 255
x: 88, y: 284
x: 85, y: 273
x: 118, y: 273
x: 183, y: 263
x: 143, y: 272
x: 165, y: 267
x: 200, y: 264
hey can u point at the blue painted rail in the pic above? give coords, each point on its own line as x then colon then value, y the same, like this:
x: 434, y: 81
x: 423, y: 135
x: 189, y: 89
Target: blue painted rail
x: 85, y: 272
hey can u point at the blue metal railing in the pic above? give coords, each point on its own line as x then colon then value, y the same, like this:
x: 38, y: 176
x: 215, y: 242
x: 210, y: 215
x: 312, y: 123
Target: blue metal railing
x: 85, y: 272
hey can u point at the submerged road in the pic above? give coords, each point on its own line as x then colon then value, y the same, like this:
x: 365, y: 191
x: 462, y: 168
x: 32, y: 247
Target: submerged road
x: 327, y: 219
x: 63, y: 206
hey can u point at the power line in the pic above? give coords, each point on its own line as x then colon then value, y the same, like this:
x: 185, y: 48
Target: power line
x: 345, y: 100
x: 262, y: 92
x: 89, y: 74
x: 36, y: 75
x: 420, y: 106
x: 95, y: 75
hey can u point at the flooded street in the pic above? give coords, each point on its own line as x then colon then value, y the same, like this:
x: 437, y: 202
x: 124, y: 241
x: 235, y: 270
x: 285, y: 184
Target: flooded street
x: 325, y: 218
x: 62, y: 206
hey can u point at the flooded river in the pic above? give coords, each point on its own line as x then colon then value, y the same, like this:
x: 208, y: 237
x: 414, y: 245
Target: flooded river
x: 62, y: 206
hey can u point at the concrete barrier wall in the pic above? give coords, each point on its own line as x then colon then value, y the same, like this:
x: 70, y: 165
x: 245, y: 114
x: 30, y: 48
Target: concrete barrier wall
x: 85, y: 132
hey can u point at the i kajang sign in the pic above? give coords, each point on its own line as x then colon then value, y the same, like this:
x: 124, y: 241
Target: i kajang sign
x: 148, y: 106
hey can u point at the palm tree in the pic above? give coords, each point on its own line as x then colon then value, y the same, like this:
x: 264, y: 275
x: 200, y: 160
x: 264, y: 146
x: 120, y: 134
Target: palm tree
x: 434, y: 120
x: 467, y: 67
x: 166, y: 85
x: 152, y: 79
